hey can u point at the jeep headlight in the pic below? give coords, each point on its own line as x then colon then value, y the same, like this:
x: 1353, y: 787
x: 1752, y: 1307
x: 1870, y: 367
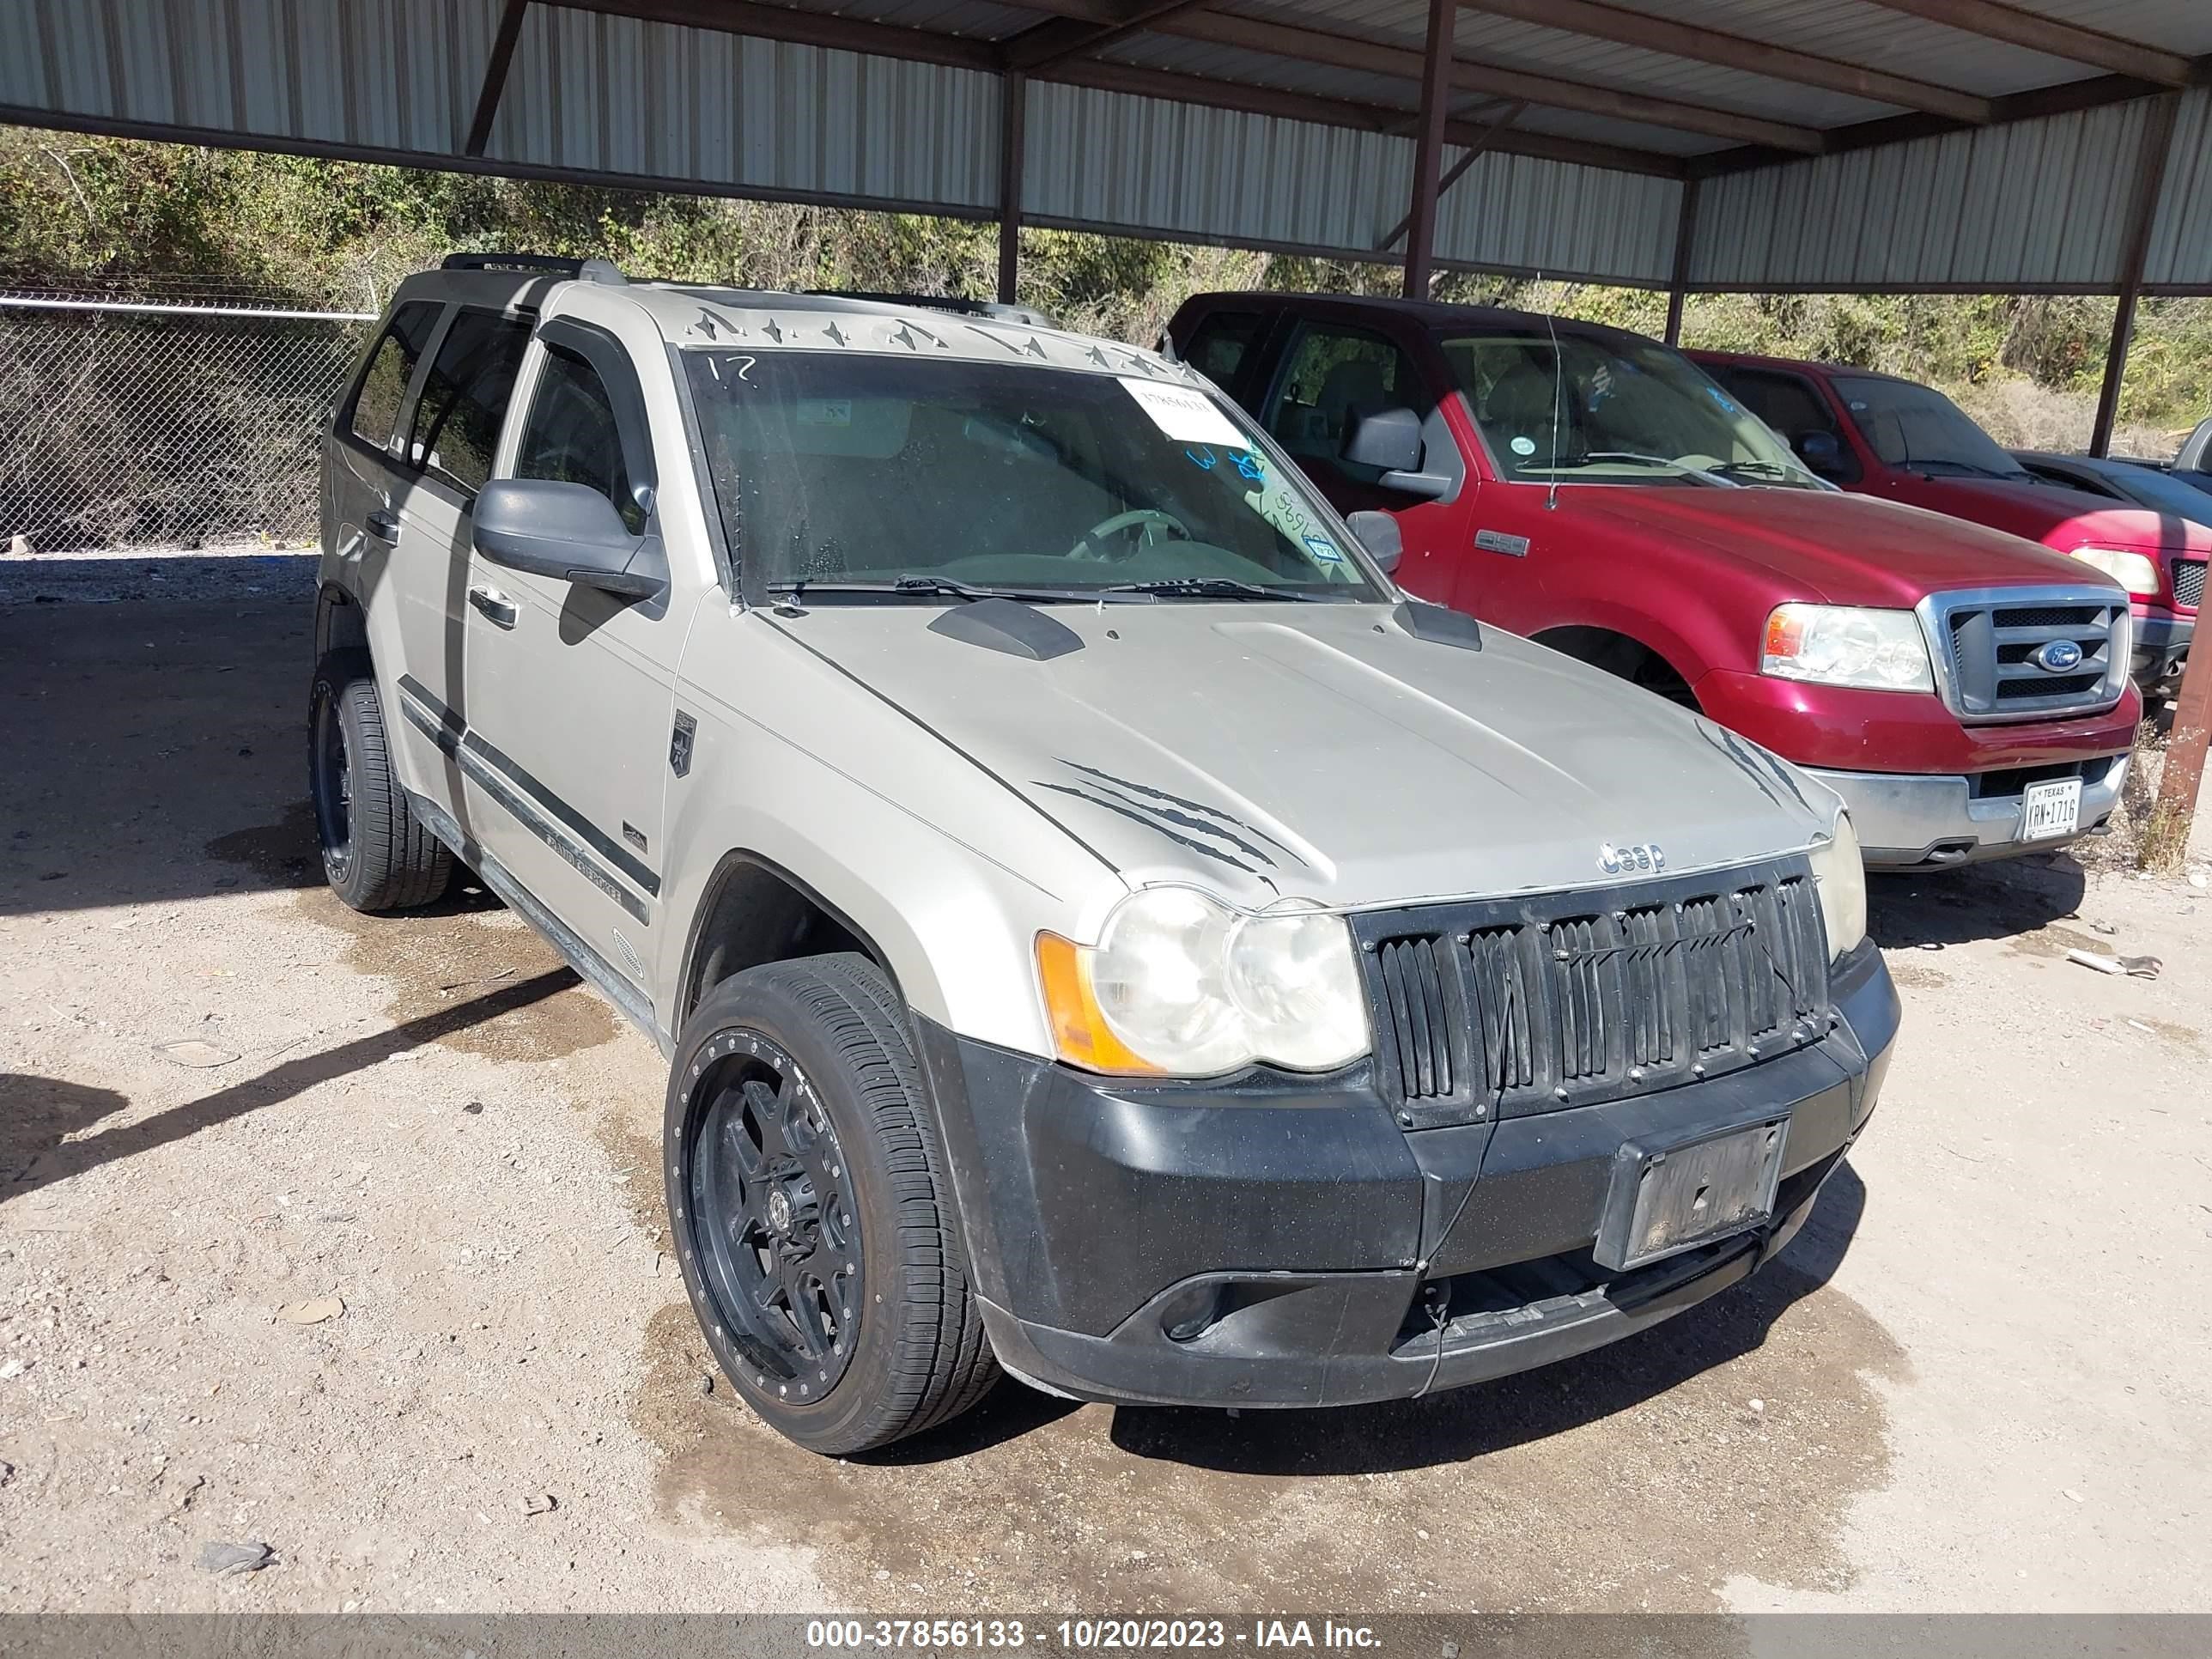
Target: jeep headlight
x: 2136, y: 572
x: 1181, y: 984
x: 1847, y: 645
x: 1839, y: 872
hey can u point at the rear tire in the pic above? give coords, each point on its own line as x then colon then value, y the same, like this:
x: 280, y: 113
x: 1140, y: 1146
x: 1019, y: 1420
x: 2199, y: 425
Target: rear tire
x: 377, y: 855
x: 813, y: 1211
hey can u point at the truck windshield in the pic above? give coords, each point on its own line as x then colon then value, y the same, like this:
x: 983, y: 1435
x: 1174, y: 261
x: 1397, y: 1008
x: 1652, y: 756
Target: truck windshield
x: 1917, y: 427
x: 1590, y: 410
x: 860, y: 474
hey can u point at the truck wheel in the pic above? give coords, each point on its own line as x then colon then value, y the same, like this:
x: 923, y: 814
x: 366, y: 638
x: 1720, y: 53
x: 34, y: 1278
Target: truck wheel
x: 812, y: 1210
x: 376, y: 856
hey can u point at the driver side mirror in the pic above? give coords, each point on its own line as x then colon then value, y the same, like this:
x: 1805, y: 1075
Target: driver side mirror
x: 1819, y: 452
x: 1391, y: 439
x: 568, y: 532
x: 1378, y: 534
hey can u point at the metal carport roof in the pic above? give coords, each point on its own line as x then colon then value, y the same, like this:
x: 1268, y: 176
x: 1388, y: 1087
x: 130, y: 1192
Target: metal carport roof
x: 1894, y: 144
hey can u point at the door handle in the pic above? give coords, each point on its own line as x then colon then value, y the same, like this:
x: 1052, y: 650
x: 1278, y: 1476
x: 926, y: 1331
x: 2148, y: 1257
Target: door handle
x: 384, y: 524
x: 498, y: 608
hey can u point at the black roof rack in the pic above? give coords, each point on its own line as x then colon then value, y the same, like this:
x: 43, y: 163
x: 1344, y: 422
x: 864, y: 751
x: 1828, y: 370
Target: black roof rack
x: 588, y: 270
x: 964, y: 308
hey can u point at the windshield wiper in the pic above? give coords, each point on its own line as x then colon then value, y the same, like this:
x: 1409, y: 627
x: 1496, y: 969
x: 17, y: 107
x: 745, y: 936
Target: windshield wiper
x: 1763, y: 470
x: 1926, y: 468
x: 924, y: 586
x: 1209, y: 587
x: 1599, y: 456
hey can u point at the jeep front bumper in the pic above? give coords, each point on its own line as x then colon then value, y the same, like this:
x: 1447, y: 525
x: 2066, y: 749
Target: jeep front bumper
x: 1261, y: 1241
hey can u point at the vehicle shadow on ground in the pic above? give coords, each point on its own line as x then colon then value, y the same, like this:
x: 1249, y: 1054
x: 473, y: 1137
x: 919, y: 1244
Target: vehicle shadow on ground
x: 1982, y: 902
x: 1448, y: 1428
x: 38, y: 1112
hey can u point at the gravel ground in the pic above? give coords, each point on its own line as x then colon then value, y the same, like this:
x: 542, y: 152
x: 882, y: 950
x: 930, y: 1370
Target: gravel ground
x: 343, y: 1237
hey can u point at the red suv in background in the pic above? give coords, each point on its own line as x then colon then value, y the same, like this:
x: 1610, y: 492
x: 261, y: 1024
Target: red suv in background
x: 1877, y: 434
x: 1965, y: 692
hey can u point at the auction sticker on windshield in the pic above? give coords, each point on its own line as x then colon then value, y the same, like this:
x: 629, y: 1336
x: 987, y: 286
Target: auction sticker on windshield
x: 1186, y: 416
x: 2052, y: 807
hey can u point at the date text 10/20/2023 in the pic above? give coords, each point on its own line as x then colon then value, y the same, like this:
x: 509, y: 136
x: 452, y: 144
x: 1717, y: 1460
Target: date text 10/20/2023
x: 1084, y: 1635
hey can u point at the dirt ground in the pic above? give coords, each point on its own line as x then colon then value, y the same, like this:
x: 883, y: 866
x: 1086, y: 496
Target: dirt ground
x: 344, y: 1236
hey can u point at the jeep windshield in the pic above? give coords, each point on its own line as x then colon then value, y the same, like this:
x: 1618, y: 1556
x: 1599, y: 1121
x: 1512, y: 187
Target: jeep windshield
x: 874, y: 478
x: 1580, y: 409
x: 1917, y: 427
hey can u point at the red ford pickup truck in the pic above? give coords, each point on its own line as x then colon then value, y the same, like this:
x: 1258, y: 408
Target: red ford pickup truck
x: 1965, y: 692
x: 1880, y: 435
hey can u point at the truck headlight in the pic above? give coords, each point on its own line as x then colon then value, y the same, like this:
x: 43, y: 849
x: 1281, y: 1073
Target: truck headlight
x: 1839, y: 872
x: 2136, y: 572
x: 1181, y: 984
x: 1847, y: 645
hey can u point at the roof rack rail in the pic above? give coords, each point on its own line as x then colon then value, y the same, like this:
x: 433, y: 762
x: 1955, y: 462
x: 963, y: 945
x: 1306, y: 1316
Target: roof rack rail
x: 994, y: 309
x: 589, y: 270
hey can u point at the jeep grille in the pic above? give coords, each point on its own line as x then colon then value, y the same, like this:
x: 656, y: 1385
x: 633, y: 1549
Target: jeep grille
x: 1501, y: 1008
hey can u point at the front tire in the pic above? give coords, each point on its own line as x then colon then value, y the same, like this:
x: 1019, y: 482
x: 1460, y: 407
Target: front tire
x: 813, y: 1211
x: 377, y: 855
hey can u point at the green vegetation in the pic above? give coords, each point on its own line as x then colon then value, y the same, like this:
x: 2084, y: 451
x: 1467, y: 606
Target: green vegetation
x: 338, y: 234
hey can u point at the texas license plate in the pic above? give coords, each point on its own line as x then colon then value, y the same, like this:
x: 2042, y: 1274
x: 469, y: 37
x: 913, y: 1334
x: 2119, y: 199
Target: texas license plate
x: 1679, y: 1197
x: 2050, y: 808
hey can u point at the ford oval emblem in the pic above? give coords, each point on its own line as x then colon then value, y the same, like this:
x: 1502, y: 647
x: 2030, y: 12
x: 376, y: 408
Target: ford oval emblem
x: 2058, y: 656
x: 1645, y: 856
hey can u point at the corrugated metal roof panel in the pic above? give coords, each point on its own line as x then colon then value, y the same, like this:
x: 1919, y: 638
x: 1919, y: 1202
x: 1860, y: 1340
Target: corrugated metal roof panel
x: 2181, y: 236
x: 2028, y: 204
x: 1101, y: 158
x: 611, y: 95
x: 1520, y: 213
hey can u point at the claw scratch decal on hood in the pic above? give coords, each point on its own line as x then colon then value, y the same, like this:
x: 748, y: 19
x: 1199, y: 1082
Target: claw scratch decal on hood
x: 1188, y: 823
x: 1761, y: 768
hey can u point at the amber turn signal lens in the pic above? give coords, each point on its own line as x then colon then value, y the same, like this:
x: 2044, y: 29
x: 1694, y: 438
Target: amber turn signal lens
x: 1785, y: 633
x: 1079, y: 1030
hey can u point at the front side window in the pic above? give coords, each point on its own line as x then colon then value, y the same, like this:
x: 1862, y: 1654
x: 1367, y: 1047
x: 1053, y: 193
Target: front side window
x: 391, y: 368
x: 457, y: 420
x: 1917, y: 427
x: 1336, y: 376
x: 570, y: 435
x: 858, y: 472
x: 1581, y: 408
x: 1793, y: 406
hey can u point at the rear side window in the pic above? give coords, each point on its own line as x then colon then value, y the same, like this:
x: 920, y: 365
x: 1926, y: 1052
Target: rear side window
x: 391, y: 366
x: 458, y: 418
x: 1219, y: 345
x: 570, y: 435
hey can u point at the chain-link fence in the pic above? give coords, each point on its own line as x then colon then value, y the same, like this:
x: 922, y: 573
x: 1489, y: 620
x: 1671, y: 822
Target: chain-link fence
x: 164, y: 422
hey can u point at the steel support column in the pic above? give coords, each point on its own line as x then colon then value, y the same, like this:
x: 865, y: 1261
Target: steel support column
x: 2142, y: 214
x: 1428, y: 148
x: 494, y: 78
x: 1014, y: 111
x: 1685, y: 236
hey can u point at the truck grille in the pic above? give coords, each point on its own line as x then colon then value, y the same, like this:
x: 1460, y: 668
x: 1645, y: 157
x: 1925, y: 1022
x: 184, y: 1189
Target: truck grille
x: 1512, y: 1006
x: 2189, y: 582
x: 1989, y: 645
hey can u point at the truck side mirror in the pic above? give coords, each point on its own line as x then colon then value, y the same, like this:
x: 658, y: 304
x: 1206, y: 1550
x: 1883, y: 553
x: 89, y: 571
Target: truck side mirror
x: 1378, y: 534
x: 568, y: 532
x: 1392, y: 439
x: 1819, y: 452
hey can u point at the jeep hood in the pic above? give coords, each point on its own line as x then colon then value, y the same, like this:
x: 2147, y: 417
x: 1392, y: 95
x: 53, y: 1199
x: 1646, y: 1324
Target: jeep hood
x: 1822, y: 544
x: 1321, y: 751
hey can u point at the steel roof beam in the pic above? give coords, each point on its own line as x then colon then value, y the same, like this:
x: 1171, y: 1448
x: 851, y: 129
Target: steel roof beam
x: 961, y: 52
x: 1705, y: 46
x: 2054, y: 39
x: 2067, y: 98
x: 1405, y: 63
x: 1063, y: 38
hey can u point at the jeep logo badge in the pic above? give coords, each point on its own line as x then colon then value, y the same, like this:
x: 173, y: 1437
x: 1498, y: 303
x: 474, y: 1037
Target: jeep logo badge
x: 2058, y: 656
x: 1639, y: 855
